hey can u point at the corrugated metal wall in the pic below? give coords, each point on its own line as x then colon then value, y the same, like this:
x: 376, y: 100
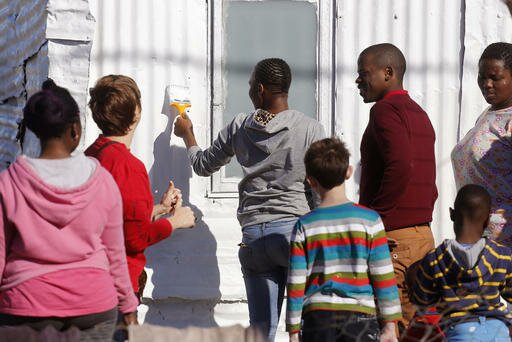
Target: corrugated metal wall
x: 23, y: 66
x: 161, y: 42
x: 30, y: 30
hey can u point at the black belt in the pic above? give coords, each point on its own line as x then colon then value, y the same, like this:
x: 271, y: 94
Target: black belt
x: 413, y: 225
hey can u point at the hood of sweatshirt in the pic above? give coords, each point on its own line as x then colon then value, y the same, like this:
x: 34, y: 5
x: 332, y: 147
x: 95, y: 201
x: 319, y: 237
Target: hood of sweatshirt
x: 57, y: 206
x: 269, y: 137
x: 466, y: 257
x: 461, y: 263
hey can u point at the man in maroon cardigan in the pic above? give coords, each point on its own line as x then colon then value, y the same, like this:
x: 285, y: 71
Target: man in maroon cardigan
x: 398, y: 168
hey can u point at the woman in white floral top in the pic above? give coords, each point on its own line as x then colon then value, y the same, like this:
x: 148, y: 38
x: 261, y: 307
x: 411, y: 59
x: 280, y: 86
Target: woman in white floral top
x: 484, y: 155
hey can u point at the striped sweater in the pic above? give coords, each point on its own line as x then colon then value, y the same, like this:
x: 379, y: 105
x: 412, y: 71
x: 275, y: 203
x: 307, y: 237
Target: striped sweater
x: 460, y: 293
x: 340, y: 261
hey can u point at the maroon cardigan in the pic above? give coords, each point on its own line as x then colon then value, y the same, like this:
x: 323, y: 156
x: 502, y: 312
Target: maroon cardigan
x: 398, y: 168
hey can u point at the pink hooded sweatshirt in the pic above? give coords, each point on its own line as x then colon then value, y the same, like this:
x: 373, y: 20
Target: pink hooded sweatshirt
x: 47, y: 230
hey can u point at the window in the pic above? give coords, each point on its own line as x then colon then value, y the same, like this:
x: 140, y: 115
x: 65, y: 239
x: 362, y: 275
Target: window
x: 244, y: 32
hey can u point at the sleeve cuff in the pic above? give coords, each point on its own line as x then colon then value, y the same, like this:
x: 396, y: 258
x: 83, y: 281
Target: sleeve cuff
x: 160, y: 229
x: 128, y: 304
x: 293, y: 328
x: 192, y: 151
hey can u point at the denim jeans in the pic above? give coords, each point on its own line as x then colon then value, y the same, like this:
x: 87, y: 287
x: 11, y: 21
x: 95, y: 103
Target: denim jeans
x: 264, y: 255
x: 485, y: 330
x: 339, y: 326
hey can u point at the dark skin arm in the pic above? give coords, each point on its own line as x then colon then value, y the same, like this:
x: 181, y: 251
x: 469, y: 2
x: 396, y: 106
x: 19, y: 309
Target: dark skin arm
x: 184, y: 129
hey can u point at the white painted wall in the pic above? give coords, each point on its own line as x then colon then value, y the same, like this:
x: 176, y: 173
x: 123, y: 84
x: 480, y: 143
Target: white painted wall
x: 194, y: 275
x: 159, y: 43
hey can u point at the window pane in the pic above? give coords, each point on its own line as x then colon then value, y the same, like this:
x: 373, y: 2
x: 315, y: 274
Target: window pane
x: 262, y: 29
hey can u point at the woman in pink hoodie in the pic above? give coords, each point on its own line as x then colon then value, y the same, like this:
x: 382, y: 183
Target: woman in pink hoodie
x: 62, y: 257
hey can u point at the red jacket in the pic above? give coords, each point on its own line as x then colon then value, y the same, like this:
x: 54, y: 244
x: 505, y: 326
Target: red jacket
x: 131, y: 177
x: 398, y: 168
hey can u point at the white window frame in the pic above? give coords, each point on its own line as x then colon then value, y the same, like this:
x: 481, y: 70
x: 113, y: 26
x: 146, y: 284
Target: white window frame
x: 226, y: 187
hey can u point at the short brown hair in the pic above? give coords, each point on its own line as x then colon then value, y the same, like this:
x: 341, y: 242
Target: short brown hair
x: 114, y: 101
x: 327, y: 161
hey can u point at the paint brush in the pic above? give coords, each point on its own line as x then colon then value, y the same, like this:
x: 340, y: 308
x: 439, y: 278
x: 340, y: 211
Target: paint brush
x: 178, y: 97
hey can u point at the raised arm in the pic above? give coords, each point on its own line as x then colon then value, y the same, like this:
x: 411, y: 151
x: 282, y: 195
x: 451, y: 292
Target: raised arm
x: 211, y: 159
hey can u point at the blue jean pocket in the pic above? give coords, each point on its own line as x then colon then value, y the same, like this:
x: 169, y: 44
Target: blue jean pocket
x: 245, y: 256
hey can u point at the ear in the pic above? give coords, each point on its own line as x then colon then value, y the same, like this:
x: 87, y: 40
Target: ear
x: 388, y: 73
x: 261, y: 88
x: 75, y: 131
x: 350, y: 171
x: 452, y: 215
x: 314, y: 184
x: 311, y: 181
x: 137, y: 115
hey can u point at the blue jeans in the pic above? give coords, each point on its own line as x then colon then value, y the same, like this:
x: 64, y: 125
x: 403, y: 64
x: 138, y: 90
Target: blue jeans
x: 486, y: 330
x: 334, y: 326
x: 264, y: 255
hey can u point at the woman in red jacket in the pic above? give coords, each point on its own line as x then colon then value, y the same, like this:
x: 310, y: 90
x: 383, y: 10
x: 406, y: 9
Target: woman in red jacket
x: 116, y: 109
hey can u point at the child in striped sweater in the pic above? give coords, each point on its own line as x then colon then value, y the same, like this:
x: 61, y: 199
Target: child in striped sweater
x: 465, y: 277
x: 341, y: 284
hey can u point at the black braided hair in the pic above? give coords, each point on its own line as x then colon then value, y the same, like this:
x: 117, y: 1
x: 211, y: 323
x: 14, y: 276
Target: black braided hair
x: 501, y: 51
x: 274, y: 73
x: 49, y: 111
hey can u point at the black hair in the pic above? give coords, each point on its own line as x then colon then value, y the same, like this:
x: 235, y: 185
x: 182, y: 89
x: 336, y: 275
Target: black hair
x: 387, y: 54
x: 473, y: 202
x: 500, y: 51
x: 274, y: 73
x: 327, y: 161
x: 50, y: 111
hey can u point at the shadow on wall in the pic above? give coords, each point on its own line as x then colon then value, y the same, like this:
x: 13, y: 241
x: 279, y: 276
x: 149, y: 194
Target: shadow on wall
x: 185, y: 272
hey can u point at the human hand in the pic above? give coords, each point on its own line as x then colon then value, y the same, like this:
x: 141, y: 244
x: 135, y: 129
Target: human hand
x: 388, y: 333
x: 183, y: 217
x: 130, y: 318
x: 172, y: 198
x: 294, y: 337
x: 183, y: 126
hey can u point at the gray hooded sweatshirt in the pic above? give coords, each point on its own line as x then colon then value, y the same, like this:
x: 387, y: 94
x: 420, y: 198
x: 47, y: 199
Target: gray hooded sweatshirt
x: 466, y: 257
x: 272, y: 160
